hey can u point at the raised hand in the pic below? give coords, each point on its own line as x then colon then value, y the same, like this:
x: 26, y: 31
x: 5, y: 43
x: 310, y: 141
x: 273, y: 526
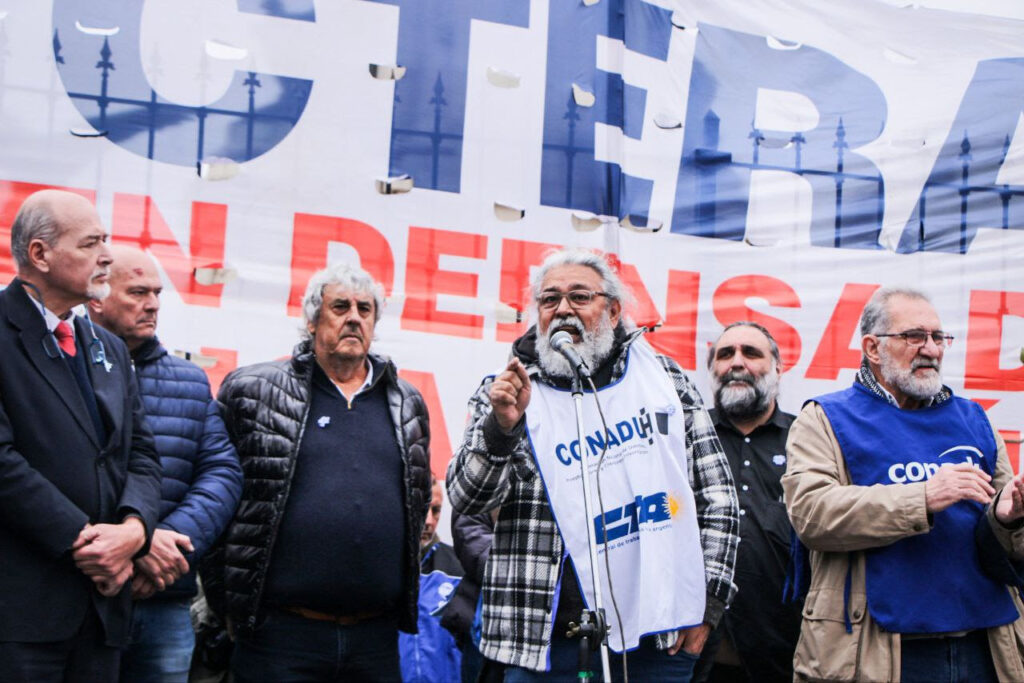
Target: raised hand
x: 510, y: 394
x: 1011, y: 502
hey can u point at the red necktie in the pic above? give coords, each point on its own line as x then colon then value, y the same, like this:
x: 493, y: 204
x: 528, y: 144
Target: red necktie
x: 65, y: 339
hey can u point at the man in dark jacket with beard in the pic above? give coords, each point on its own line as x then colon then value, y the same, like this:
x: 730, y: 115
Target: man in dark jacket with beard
x: 669, y: 515
x: 201, y: 479
x: 321, y: 563
x: 760, y: 630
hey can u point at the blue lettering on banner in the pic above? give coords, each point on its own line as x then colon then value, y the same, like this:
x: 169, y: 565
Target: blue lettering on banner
x: 104, y: 78
x: 429, y: 108
x: 571, y: 177
x: 622, y: 521
x: 722, y: 147
x: 962, y: 193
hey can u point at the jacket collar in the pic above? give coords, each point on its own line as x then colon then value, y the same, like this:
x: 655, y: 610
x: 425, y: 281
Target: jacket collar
x: 148, y: 352
x: 303, y: 361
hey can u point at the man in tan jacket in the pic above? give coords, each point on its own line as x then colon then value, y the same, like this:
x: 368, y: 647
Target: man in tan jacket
x: 905, y: 498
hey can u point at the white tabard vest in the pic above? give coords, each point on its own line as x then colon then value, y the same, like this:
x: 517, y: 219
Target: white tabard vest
x: 654, y: 548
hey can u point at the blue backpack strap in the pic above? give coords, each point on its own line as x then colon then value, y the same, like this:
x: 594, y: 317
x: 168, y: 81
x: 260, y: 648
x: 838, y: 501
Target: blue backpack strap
x: 847, y: 585
x: 798, y: 573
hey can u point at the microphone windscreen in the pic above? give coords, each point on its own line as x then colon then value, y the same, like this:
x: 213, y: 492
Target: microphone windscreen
x: 561, y: 338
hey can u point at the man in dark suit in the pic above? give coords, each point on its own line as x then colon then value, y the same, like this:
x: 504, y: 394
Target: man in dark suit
x: 79, y: 475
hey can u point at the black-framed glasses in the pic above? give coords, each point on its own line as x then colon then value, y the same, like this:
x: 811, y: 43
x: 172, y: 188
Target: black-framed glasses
x: 920, y: 337
x: 578, y: 298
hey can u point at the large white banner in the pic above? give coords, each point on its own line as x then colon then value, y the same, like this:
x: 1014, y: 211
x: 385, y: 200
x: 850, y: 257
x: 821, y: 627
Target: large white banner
x: 774, y: 160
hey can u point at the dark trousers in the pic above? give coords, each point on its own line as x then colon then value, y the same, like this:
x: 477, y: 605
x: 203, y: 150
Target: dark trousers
x: 287, y: 648
x: 83, y: 658
x: 948, y: 660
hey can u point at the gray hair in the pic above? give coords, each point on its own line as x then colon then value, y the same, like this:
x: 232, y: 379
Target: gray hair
x: 773, y: 346
x: 35, y: 221
x: 611, y: 284
x: 352, y: 278
x: 876, y: 319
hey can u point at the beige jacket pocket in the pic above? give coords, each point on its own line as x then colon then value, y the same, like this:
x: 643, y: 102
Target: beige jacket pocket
x: 826, y: 652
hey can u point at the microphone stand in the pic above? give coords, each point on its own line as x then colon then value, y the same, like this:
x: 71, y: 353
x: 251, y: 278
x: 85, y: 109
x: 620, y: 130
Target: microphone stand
x: 592, y: 629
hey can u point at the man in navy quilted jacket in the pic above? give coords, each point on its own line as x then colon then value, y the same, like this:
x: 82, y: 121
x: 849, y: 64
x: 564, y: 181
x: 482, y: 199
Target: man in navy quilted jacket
x: 202, y: 480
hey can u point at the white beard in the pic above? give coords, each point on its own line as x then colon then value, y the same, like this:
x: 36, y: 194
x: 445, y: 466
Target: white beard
x: 594, y: 346
x: 904, y: 379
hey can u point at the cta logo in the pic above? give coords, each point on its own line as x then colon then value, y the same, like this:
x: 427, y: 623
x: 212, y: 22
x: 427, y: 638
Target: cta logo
x: 624, y: 521
x: 640, y: 426
x: 907, y: 472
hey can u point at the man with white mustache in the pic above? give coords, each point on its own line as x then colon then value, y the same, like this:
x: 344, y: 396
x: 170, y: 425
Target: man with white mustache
x: 759, y: 632
x: 79, y: 475
x: 668, y: 507
x: 905, y: 498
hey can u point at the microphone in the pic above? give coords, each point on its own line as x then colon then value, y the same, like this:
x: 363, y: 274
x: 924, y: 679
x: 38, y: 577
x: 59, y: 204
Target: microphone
x: 561, y: 341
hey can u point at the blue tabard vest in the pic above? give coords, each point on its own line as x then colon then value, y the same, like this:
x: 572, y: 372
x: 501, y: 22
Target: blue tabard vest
x: 431, y: 654
x: 932, y: 582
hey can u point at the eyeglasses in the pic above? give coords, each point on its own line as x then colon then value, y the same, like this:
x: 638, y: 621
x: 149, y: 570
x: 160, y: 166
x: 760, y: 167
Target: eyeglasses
x: 920, y: 337
x: 578, y: 298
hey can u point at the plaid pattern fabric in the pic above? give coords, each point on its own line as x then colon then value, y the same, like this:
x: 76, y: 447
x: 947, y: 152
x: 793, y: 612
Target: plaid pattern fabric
x: 868, y: 379
x: 491, y: 469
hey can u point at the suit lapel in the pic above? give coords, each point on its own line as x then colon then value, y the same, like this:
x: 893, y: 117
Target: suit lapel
x: 104, y: 376
x: 24, y: 315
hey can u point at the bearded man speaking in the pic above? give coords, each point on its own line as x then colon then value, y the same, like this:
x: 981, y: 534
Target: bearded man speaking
x: 759, y: 632
x: 904, y: 495
x: 670, y: 513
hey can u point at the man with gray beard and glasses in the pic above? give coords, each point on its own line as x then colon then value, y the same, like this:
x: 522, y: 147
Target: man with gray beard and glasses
x: 759, y: 632
x: 904, y: 496
x: 669, y: 507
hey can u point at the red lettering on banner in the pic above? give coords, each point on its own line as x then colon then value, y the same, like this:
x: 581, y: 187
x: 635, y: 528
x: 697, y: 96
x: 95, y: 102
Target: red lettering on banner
x: 517, y: 256
x: 677, y: 337
x: 985, y: 338
x: 834, y: 352
x: 311, y: 238
x: 643, y: 311
x: 424, y: 281
x: 730, y: 304
x: 440, y: 445
x: 227, y: 360
x: 12, y: 194
x: 137, y: 221
x: 986, y: 403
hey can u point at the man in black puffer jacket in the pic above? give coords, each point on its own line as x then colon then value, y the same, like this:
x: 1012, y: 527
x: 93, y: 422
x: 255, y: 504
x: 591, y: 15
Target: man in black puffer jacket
x: 320, y: 564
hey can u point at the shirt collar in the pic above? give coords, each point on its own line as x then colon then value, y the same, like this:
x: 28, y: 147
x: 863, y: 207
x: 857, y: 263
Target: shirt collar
x: 50, y: 318
x: 366, y: 383
x: 363, y: 387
